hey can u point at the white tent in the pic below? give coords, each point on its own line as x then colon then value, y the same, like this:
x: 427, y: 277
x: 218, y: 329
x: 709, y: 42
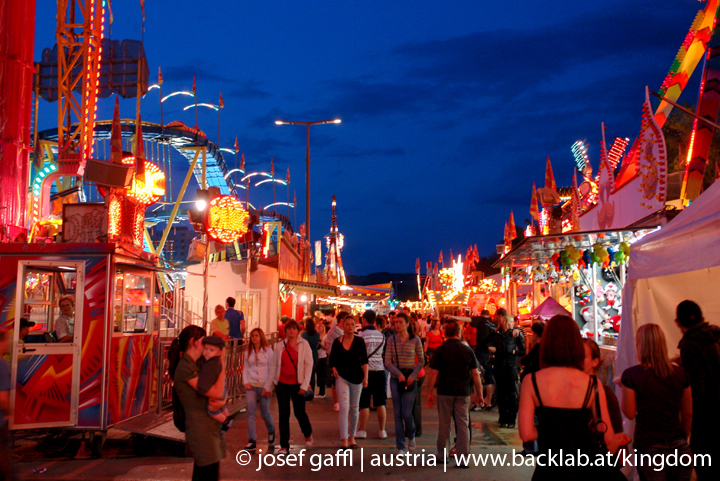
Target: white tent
x: 681, y: 261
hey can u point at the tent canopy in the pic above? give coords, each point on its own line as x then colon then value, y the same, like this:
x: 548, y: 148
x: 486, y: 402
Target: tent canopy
x: 548, y: 309
x: 689, y: 242
x: 679, y: 262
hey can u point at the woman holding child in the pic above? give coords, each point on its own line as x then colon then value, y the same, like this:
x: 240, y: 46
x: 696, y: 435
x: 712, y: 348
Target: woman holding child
x: 202, y: 432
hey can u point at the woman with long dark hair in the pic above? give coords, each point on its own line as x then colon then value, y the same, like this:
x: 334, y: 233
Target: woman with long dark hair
x: 257, y: 376
x: 404, y: 359
x: 564, y: 398
x: 202, y: 432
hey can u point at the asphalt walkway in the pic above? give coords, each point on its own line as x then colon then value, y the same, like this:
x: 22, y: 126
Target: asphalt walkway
x: 132, y: 457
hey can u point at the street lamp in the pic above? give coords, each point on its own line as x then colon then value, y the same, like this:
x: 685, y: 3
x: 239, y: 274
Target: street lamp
x: 307, y: 163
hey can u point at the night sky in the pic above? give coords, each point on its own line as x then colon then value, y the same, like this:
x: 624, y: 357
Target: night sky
x: 449, y: 108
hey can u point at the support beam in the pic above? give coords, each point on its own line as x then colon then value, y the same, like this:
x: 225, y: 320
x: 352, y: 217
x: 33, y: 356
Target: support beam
x: 178, y: 201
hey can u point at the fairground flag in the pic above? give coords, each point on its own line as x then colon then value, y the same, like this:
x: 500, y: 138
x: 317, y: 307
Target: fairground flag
x: 507, y: 238
x: 237, y: 147
x: 440, y: 259
x: 549, y: 177
x: 112, y: 19
x: 287, y: 176
x: 451, y: 256
x: 428, y: 267
x: 195, y: 88
x: 435, y: 269
x: 221, y: 102
x: 142, y: 6
x: 272, y: 167
x: 534, y: 212
x: 116, y: 135
x: 475, y: 254
x: 417, y: 266
x: 242, y: 158
x: 160, y: 80
x: 512, y: 234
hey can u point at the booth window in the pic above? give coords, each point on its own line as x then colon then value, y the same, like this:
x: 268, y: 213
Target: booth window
x: 49, y: 302
x: 132, y: 304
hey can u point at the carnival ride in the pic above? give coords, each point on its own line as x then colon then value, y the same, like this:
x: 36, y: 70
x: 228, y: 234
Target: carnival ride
x: 100, y: 253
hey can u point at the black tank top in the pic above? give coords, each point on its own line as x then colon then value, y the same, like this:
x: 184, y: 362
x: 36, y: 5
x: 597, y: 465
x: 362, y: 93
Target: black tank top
x: 568, y: 430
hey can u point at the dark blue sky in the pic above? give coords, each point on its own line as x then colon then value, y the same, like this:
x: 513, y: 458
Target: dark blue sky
x: 449, y: 109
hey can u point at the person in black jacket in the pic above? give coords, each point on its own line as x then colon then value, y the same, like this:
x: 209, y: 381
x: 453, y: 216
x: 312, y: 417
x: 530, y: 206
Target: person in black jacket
x: 531, y: 362
x: 700, y: 356
x: 509, y: 348
x: 484, y: 347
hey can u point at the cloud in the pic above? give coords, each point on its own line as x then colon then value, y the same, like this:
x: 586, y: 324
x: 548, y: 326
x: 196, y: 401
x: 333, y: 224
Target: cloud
x: 249, y: 90
x: 197, y: 68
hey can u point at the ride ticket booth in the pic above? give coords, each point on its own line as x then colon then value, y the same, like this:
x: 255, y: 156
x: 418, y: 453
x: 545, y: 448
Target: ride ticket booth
x: 89, y: 361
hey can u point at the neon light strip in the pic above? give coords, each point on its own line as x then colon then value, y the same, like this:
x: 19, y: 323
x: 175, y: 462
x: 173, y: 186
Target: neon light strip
x: 254, y: 174
x: 231, y: 151
x: 211, y: 106
x: 232, y: 171
x: 279, y: 203
x: 271, y: 180
x: 181, y: 92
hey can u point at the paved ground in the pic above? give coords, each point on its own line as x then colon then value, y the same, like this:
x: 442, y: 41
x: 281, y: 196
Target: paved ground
x: 129, y: 457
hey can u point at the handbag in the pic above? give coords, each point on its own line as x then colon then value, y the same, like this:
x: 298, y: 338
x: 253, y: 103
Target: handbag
x: 407, y: 372
x: 309, y: 394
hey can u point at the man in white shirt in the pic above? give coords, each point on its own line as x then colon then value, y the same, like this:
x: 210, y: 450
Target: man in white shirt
x: 374, y: 343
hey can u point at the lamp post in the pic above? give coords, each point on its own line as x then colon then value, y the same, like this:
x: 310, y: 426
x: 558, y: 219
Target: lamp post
x: 307, y: 163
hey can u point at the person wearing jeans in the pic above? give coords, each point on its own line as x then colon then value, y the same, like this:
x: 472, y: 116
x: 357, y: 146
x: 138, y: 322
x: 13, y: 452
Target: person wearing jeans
x: 257, y: 377
x: 454, y: 367
x: 349, y: 364
x: 291, y: 372
x: 404, y: 359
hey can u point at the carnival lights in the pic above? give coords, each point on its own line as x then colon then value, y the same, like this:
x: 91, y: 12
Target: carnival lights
x: 226, y: 219
x: 152, y: 189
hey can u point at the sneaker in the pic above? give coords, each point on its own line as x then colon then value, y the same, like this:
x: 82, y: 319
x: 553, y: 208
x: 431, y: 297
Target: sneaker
x: 309, y: 441
x: 251, y: 445
x: 401, y: 452
x: 282, y: 451
x: 271, y: 438
x: 477, y: 408
x: 411, y: 444
x: 320, y: 396
x: 336, y: 408
x: 383, y: 434
x: 361, y: 434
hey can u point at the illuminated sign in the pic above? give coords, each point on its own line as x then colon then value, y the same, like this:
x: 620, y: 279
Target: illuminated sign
x: 152, y: 189
x: 226, y: 219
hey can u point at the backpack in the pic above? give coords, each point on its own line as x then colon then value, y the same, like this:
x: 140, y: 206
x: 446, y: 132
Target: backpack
x: 178, y: 412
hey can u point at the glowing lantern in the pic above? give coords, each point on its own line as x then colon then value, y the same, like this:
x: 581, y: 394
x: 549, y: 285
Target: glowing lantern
x: 226, y: 219
x: 152, y: 189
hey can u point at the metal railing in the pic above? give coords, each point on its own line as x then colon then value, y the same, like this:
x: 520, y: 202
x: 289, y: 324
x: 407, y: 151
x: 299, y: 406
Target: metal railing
x: 234, y: 355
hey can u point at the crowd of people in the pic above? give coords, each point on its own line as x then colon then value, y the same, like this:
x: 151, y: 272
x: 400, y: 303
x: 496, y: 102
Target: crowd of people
x: 547, y: 383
